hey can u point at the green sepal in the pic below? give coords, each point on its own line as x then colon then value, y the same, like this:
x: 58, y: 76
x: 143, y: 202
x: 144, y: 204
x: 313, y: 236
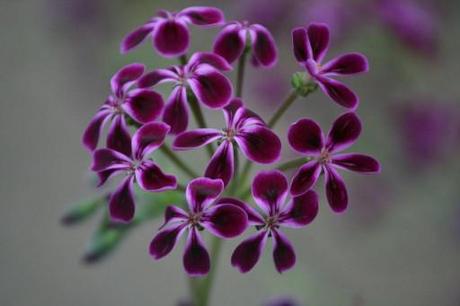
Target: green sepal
x: 83, y: 210
x: 303, y: 84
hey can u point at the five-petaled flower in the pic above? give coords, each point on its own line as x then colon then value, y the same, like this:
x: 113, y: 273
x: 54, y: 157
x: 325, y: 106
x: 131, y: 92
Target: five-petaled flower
x: 142, y: 105
x: 305, y: 136
x: 131, y: 158
x: 220, y: 217
x: 232, y: 41
x: 269, y: 190
x: 169, y: 30
x: 310, y: 47
x: 244, y: 129
x: 201, y: 74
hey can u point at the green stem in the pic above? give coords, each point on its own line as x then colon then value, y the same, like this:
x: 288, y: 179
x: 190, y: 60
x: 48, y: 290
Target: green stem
x: 292, y: 164
x: 198, y: 114
x: 283, y: 108
x: 183, y: 59
x: 179, y: 162
x: 240, y: 73
x: 234, y: 183
x: 216, y: 246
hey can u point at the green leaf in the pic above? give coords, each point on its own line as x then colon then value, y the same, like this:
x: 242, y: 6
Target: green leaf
x: 81, y: 211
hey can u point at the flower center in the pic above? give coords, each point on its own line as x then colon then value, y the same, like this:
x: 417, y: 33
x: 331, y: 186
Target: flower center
x: 271, y: 222
x: 324, y: 157
x: 194, y: 219
x: 229, y: 133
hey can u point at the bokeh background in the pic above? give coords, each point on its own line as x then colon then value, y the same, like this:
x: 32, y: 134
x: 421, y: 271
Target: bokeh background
x: 397, y: 244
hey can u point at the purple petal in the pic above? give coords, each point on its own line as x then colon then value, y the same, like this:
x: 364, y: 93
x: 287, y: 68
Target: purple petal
x: 196, y: 258
x: 203, y: 15
x: 283, y: 252
x: 149, y: 138
x: 248, y: 252
x: 336, y: 191
x: 305, y: 136
x: 106, y: 174
x: 118, y: 138
x: 105, y: 159
x: 351, y: 63
x: 163, y: 242
x: 259, y: 144
x: 211, y: 88
x: 176, y: 111
x: 299, y: 42
x: 305, y: 178
x: 229, y: 44
x: 344, y: 132
x: 91, y: 135
x: 245, y: 118
x: 195, y: 139
x: 264, y: 47
x: 225, y: 220
x: 318, y: 38
x: 221, y: 166
x: 126, y: 75
x: 151, y: 178
x: 121, y: 205
x: 155, y: 77
x: 171, y: 38
x: 202, y: 191
x: 338, y: 92
x: 254, y: 217
x: 174, y: 213
x: 144, y: 105
x: 301, y: 210
x: 357, y: 162
x: 134, y: 38
x: 269, y: 189
x: 211, y: 59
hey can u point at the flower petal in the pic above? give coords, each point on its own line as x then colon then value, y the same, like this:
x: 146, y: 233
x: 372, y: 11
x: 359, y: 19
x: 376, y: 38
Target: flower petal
x: 196, y: 258
x: 305, y: 178
x: 318, y: 39
x: 283, y: 252
x: 163, y: 242
x: 248, y: 252
x: 299, y: 42
x: 176, y: 111
x: 195, y: 138
x: 171, y: 38
x: 336, y: 191
x: 203, y: 15
x: 301, y: 210
x: 134, y: 38
x: 305, y: 136
x: 351, y: 63
x: 211, y: 59
x: 254, y: 217
x: 344, y: 132
x: 91, y: 135
x: 144, y: 105
x: 121, y: 205
x: 259, y: 144
x: 201, y: 192
x: 221, y: 166
x: 230, y: 110
x: 149, y: 138
x: 245, y: 118
x: 211, y: 88
x: 118, y: 138
x: 155, y: 77
x: 173, y: 214
x: 229, y: 44
x: 338, y: 92
x: 125, y: 75
x: 151, y: 178
x: 269, y: 189
x: 225, y: 220
x: 105, y: 159
x: 264, y: 46
x: 357, y: 162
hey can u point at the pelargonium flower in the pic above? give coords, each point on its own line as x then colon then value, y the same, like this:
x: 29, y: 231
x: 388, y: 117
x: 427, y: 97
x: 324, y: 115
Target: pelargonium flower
x: 310, y: 47
x: 169, y: 30
x: 305, y: 136
x: 231, y: 42
x: 244, y: 129
x: 142, y: 105
x: 269, y: 190
x: 130, y: 157
x: 220, y: 217
x: 201, y: 74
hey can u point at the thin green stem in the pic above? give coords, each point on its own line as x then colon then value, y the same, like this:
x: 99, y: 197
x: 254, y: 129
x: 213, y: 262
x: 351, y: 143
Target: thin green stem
x: 283, y: 108
x: 240, y: 73
x: 292, y: 164
x: 183, y: 59
x: 201, y: 122
x: 216, y: 246
x: 177, y: 161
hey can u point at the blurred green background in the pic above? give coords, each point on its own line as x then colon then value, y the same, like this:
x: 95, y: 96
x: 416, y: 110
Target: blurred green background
x: 397, y: 244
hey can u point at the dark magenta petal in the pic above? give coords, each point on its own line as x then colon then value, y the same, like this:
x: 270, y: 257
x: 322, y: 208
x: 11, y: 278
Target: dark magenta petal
x: 134, y: 38
x: 163, y: 242
x: 196, y: 258
x: 338, y: 92
x: 91, y: 135
x: 299, y: 42
x: 305, y: 136
x: 229, y: 44
x: 106, y: 174
x: 174, y: 213
x: 203, y: 15
x: 283, y: 252
x: 171, y: 38
x: 336, y: 190
x: 221, y: 166
x: 344, y: 132
x: 301, y: 210
x: 211, y: 88
x: 357, y: 162
x: 155, y: 77
x: 126, y: 75
x: 254, y: 217
x: 148, y: 138
x: 264, y: 47
x: 305, y: 178
x: 202, y: 191
x: 121, y: 205
x: 318, y: 38
x: 269, y: 189
x: 247, y: 254
x: 230, y: 110
x: 209, y: 58
x: 118, y: 138
x: 195, y: 138
x: 245, y: 119
x: 351, y: 63
x: 104, y: 159
x: 225, y: 220
x: 259, y: 144
x: 151, y: 178
x: 144, y: 105
x: 176, y: 111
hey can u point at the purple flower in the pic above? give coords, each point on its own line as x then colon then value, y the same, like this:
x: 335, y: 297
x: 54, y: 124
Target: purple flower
x: 169, y: 31
x: 310, y: 47
x: 142, y: 105
x: 130, y: 157
x: 244, y: 129
x: 201, y: 74
x: 269, y: 190
x: 219, y: 217
x: 232, y: 40
x: 305, y: 136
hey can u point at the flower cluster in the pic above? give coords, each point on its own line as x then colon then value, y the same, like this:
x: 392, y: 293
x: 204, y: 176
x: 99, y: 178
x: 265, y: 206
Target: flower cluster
x: 219, y: 198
